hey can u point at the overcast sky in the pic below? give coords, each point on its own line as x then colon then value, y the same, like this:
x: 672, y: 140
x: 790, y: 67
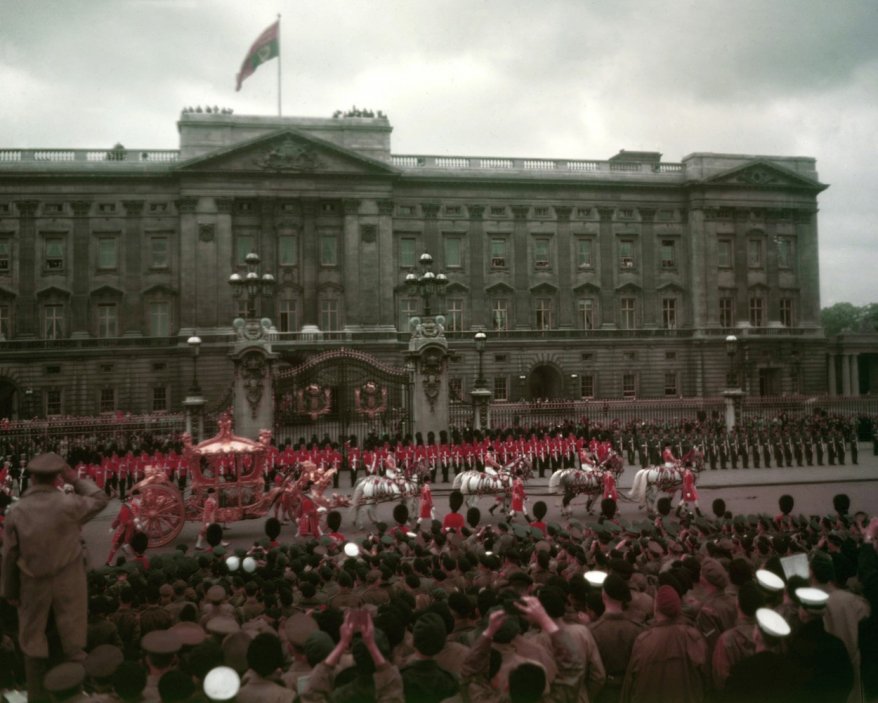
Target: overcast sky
x: 541, y: 78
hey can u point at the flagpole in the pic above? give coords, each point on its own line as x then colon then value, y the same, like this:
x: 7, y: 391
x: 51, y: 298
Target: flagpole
x: 279, y: 56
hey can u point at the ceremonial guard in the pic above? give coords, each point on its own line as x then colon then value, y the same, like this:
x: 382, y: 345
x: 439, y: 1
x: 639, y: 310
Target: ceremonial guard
x: 124, y: 526
x: 425, y: 508
x: 519, y: 499
x: 308, y: 519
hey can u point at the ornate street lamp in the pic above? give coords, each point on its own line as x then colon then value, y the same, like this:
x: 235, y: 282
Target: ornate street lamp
x: 194, y: 343
x: 251, y: 286
x: 481, y: 340
x: 732, y: 352
x: 427, y: 284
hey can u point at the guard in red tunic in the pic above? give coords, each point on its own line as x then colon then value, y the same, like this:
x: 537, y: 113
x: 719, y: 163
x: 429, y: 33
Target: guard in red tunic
x: 208, y: 517
x: 425, y: 509
x: 688, y: 493
x: 309, y: 520
x: 127, y: 522
x: 610, y: 487
x: 519, y: 499
x: 668, y: 456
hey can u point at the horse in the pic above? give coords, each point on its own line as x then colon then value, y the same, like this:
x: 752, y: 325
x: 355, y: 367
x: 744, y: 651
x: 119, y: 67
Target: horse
x: 498, y: 483
x: 667, y: 478
x: 573, y: 482
x: 612, y: 463
x: 369, y: 491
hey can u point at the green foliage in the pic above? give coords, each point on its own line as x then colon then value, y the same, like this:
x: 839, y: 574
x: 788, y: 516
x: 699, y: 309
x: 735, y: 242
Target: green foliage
x: 846, y: 317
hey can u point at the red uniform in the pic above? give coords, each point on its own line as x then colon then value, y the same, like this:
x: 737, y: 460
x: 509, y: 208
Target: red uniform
x: 425, y: 511
x: 689, y: 492
x: 518, y: 496
x: 125, y: 525
x: 610, y: 487
x: 308, y: 519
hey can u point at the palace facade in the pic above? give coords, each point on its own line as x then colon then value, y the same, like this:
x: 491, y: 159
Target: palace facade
x: 592, y: 279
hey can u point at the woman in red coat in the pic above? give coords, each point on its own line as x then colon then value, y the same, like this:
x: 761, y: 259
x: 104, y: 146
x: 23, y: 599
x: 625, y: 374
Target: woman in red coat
x: 425, y: 509
x: 519, y: 499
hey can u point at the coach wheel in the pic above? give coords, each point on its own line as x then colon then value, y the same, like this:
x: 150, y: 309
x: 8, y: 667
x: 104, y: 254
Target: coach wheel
x: 161, y: 514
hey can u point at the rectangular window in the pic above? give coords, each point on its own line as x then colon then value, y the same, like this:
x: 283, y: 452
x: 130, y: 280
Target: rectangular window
x: 406, y: 210
x: 408, y: 308
x: 498, y: 253
x: 159, y: 399
x: 107, y: 403
x: 500, y: 315
x: 108, y: 254
x: 288, y: 315
x: 5, y: 322
x: 584, y: 257
x: 668, y: 254
x: 329, y: 319
x: 453, y: 257
x: 586, y: 385
x: 671, y: 383
x: 628, y: 309
x: 669, y: 313
x: 541, y: 212
x: 455, y: 314
x: 545, y: 315
x: 107, y: 320
x: 785, y: 253
x: 786, y: 312
x: 158, y: 252
x: 724, y: 254
x: 406, y: 252
x: 629, y: 385
x: 541, y: 253
x: 626, y: 254
x: 287, y: 250
x: 754, y: 253
x: 757, y: 312
x: 727, y: 311
x: 159, y: 319
x: 452, y: 209
x: 328, y: 250
x: 54, y: 404
x: 501, y: 388
x: 583, y: 212
x: 5, y: 256
x: 244, y: 244
x: 498, y: 211
x: 54, y: 254
x: 585, y: 313
x: 53, y: 318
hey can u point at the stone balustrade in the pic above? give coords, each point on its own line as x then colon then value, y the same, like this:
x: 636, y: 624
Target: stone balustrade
x: 492, y: 163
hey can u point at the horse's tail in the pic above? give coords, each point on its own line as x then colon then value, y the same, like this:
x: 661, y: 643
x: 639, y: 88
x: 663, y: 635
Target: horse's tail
x: 357, y: 498
x: 556, y: 479
x: 638, y: 488
x: 458, y: 480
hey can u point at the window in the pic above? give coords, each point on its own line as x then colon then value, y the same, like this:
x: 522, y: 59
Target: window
x: 107, y: 400
x: 724, y: 253
x: 408, y: 308
x: 585, y: 313
x: 626, y: 254
x: 757, y: 312
x: 5, y: 256
x: 287, y: 250
x: 328, y: 250
x: 669, y: 313
x: 107, y: 253
x: 541, y: 212
x: 406, y: 210
x: 107, y: 207
x: 628, y: 308
x: 53, y: 403
x: 288, y: 315
x: 786, y: 312
x: 498, y: 253
x: 500, y: 315
x: 159, y: 319
x: 668, y: 254
x: 244, y: 244
x: 583, y: 212
x: 544, y: 314
x: 107, y: 320
x: 453, y: 258
x: 501, y: 388
x: 727, y: 311
x: 160, y: 399
x: 586, y: 385
x: 158, y: 252
x: 629, y: 385
x: 406, y: 252
x: 53, y: 321
x: 5, y: 321
x: 754, y: 253
x: 329, y: 317
x: 158, y: 207
x: 452, y: 209
x: 541, y: 253
x: 455, y: 315
x: 671, y: 383
x: 498, y: 211
x: 54, y: 254
x: 584, y: 255
x: 785, y: 253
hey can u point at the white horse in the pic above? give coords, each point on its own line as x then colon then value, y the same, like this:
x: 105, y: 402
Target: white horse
x: 573, y: 482
x: 497, y: 483
x: 369, y: 491
x: 667, y: 478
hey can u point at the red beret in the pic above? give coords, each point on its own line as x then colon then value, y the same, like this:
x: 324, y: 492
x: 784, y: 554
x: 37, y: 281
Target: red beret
x: 667, y: 602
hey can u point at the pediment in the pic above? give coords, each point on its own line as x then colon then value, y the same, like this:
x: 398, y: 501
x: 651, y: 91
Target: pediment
x: 764, y: 174
x: 160, y: 290
x: 586, y: 288
x: 7, y: 292
x: 53, y: 292
x: 499, y: 288
x: 672, y: 287
x: 287, y: 152
x: 543, y: 289
x: 107, y: 292
x: 632, y: 288
x: 456, y: 287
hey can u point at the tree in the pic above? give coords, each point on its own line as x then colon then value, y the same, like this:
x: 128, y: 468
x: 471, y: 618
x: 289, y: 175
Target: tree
x: 847, y: 317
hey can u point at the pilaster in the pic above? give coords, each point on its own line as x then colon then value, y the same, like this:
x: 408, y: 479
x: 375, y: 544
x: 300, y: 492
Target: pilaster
x: 189, y: 263
x: 353, y: 296
x: 223, y: 234
x: 563, y: 265
x: 648, y: 270
x: 474, y: 265
x: 82, y: 270
x: 431, y: 228
x: 27, y: 318
x: 608, y: 269
x: 386, y: 262
x: 310, y: 262
x: 132, y: 305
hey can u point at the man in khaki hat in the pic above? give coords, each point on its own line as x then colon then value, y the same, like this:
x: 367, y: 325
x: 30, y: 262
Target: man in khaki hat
x: 44, y: 565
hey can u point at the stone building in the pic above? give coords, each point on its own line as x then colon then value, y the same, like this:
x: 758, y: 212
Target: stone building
x: 605, y: 279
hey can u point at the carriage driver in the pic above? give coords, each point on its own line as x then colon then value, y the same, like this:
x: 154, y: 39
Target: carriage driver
x: 390, y: 469
x: 668, y: 457
x: 492, y: 466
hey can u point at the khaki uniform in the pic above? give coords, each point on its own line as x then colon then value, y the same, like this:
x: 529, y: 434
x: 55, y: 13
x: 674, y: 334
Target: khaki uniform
x: 44, y: 564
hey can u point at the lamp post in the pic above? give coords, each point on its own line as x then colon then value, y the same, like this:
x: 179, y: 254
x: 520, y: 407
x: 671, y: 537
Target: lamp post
x: 481, y: 340
x: 194, y: 402
x: 251, y: 286
x: 481, y: 395
x: 732, y: 352
x: 194, y: 343
x: 428, y: 284
x: 733, y: 394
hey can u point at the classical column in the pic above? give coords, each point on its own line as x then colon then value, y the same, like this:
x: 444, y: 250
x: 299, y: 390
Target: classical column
x: 431, y: 228
x: 772, y: 276
x: 648, y: 270
x: 833, y: 384
x: 855, y: 375
x: 520, y: 273
x: 742, y: 291
x: 808, y: 269
x: 353, y: 296
x: 82, y: 269
x: 608, y: 269
x: 132, y: 305
x: 226, y: 311
x: 371, y: 269
x: 564, y: 264
x: 189, y: 264
x: 310, y: 263
x: 846, y: 375
x: 475, y: 265
x: 27, y: 315
x: 386, y: 265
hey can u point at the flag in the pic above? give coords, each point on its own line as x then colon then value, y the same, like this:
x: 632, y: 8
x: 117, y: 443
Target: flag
x: 266, y: 47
